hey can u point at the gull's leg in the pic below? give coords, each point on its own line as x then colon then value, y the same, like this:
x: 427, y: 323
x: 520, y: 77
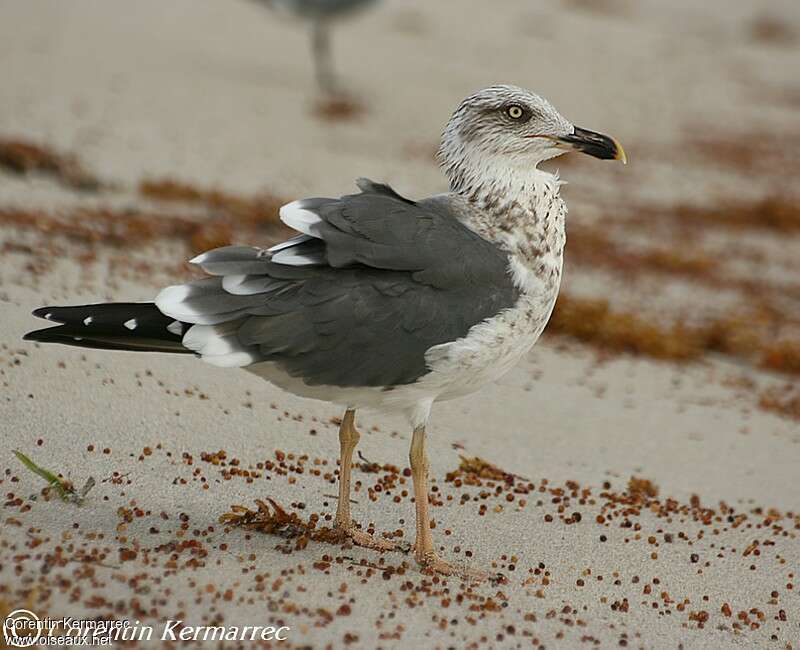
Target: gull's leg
x: 321, y: 50
x: 423, y: 547
x: 348, y: 439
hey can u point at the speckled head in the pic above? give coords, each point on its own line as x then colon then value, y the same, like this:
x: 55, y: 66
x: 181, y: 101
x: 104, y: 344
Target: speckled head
x: 504, y: 128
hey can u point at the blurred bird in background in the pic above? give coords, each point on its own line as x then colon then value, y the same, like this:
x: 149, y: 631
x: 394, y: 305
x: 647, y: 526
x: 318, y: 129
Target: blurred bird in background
x: 319, y: 14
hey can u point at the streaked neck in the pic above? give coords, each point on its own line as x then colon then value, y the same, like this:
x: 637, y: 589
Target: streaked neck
x: 520, y: 211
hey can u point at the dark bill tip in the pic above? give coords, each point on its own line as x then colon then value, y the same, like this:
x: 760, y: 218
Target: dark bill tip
x: 595, y: 144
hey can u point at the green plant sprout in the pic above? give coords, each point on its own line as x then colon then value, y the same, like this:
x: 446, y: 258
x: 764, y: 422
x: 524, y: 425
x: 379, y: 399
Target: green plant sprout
x: 64, y: 488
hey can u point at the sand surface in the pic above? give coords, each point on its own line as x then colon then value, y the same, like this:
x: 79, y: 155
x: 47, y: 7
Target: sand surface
x: 703, y: 552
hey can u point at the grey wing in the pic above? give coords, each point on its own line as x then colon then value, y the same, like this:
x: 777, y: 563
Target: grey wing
x: 357, y: 299
x: 317, y: 9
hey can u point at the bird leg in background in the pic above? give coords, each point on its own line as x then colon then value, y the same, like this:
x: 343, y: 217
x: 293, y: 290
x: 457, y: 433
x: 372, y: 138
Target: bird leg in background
x: 321, y: 50
x: 348, y: 439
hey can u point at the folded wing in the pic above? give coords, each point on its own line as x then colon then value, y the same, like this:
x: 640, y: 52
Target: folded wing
x: 373, y: 281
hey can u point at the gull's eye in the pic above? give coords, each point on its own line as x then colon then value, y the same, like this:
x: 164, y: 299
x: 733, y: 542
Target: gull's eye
x: 515, y: 112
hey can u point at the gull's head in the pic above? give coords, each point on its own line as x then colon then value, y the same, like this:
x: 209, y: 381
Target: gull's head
x: 510, y: 128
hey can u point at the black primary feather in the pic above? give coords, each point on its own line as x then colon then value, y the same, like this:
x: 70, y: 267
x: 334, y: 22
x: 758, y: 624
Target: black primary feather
x: 135, y: 326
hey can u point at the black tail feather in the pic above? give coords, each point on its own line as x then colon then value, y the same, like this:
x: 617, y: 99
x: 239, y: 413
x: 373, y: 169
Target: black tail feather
x: 136, y: 326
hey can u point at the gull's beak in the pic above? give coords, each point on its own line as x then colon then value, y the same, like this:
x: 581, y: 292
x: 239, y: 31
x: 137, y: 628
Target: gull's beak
x: 595, y: 144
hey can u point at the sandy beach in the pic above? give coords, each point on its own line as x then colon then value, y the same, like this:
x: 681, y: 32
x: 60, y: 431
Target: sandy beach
x: 634, y: 479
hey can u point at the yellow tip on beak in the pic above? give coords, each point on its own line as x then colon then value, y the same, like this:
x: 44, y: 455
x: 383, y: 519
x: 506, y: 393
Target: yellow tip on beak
x: 620, y: 151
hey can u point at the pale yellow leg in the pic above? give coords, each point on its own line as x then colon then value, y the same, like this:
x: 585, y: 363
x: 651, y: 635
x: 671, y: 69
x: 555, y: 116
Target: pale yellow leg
x: 348, y: 439
x: 424, y: 552
x: 423, y: 547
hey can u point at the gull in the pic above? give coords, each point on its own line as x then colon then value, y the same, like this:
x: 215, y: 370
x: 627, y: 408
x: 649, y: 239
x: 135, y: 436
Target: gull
x: 379, y: 301
x: 320, y: 13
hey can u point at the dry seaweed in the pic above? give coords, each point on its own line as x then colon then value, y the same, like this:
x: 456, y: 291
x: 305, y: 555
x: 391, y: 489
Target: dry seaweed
x: 642, y: 487
x: 593, y: 322
x: 122, y: 228
x: 338, y: 109
x: 783, y: 356
x: 272, y: 519
x: 779, y: 213
x: 784, y: 401
x: 747, y: 337
x: 213, y: 235
x: 596, y: 248
x: 262, y: 209
x: 746, y: 153
x: 95, y: 225
x: 23, y: 157
x: 472, y: 470
x: 772, y: 30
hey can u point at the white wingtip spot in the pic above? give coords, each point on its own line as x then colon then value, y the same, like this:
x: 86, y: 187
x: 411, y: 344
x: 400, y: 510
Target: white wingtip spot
x: 175, y: 327
x: 198, y: 259
x: 87, y: 320
x: 131, y: 324
x: 48, y: 315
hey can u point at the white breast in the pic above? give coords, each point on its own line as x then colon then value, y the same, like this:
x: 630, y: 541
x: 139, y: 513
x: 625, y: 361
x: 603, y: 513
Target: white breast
x: 489, y: 350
